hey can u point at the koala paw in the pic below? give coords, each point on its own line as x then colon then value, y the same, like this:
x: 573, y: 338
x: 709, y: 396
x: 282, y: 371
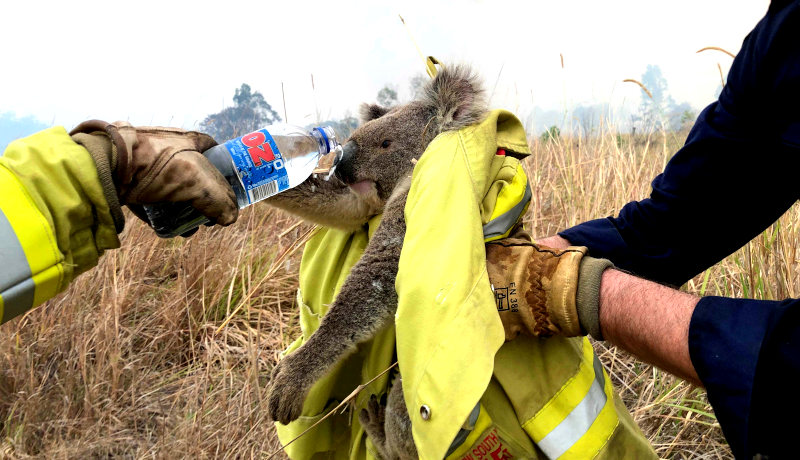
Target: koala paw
x: 288, y: 390
x: 373, y: 416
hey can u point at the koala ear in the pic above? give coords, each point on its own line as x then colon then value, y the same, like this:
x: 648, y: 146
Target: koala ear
x: 456, y: 98
x: 369, y: 112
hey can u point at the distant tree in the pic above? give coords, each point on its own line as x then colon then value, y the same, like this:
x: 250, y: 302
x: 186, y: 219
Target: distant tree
x: 417, y: 84
x: 687, y: 118
x: 660, y: 111
x: 387, y: 96
x: 552, y: 134
x: 250, y: 111
x: 654, y: 108
x: 343, y: 127
x: 588, y: 117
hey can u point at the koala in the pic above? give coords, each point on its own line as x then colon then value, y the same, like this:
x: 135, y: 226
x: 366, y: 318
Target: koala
x: 372, y: 177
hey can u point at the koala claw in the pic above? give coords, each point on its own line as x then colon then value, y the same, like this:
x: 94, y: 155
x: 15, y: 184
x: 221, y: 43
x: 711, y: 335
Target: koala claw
x: 373, y: 416
x: 287, y: 393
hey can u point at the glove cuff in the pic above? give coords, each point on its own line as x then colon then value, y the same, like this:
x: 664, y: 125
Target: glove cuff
x: 102, y: 150
x: 562, y: 291
x: 588, y: 295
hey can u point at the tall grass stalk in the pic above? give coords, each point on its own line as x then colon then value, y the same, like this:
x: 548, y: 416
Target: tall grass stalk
x: 131, y: 360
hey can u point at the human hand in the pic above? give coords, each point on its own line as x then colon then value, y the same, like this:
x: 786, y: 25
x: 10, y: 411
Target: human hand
x: 543, y: 291
x: 154, y: 164
x: 554, y: 241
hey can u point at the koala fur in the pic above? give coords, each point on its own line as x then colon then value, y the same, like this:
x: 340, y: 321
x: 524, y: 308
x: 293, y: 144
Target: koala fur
x: 373, y: 176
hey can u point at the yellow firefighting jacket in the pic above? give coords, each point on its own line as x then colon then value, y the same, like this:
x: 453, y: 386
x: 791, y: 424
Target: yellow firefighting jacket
x: 54, y: 221
x: 469, y: 394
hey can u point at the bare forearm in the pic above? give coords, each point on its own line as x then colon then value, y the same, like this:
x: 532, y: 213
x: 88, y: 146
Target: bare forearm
x: 644, y: 318
x: 648, y: 320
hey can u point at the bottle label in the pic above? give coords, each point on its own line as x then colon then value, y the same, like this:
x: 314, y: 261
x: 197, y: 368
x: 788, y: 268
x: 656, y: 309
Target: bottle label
x: 259, y: 164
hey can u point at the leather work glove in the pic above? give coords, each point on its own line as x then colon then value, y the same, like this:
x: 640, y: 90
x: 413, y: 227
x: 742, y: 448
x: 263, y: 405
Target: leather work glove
x: 542, y: 291
x: 152, y: 164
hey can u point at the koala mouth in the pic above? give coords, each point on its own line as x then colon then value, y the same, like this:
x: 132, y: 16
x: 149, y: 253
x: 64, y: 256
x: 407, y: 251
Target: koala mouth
x: 363, y: 187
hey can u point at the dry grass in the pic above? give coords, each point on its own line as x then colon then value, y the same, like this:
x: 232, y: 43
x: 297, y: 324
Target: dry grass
x: 127, y: 363
x: 582, y: 179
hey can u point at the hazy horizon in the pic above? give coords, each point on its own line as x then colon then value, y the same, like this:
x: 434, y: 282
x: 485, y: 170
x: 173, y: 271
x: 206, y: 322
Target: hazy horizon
x: 114, y: 61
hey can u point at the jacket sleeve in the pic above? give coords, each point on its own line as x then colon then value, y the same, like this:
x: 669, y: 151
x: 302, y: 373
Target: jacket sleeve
x: 735, y: 175
x: 54, y: 220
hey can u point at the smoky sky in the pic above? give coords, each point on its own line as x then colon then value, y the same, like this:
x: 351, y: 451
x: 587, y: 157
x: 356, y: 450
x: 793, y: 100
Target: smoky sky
x: 172, y: 63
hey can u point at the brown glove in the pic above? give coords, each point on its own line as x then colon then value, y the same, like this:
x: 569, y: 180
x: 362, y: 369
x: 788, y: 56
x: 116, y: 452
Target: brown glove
x: 541, y: 291
x: 152, y: 164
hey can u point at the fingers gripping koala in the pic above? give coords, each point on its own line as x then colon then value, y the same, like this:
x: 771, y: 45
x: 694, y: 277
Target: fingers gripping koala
x: 373, y: 177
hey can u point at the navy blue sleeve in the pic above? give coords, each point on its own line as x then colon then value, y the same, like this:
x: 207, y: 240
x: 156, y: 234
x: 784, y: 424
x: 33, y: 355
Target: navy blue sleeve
x: 736, y: 174
x: 747, y: 354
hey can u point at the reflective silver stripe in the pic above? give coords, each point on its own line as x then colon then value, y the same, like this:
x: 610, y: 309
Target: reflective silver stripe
x: 18, y: 299
x: 502, y: 223
x: 13, y: 262
x: 16, y: 284
x: 575, y: 425
x: 465, y: 431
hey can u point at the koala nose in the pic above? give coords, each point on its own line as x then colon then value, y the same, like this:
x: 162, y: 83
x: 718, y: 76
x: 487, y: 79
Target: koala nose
x: 344, y: 169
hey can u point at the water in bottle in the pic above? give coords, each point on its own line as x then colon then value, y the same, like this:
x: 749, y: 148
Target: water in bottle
x: 257, y: 166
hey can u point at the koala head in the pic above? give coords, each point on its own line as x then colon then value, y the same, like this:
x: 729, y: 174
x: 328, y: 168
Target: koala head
x: 380, y: 151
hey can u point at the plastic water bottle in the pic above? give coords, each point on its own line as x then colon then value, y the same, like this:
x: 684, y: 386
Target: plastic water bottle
x: 257, y: 166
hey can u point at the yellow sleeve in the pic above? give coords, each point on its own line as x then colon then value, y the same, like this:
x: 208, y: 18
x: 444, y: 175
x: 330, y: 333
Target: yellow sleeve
x: 54, y: 220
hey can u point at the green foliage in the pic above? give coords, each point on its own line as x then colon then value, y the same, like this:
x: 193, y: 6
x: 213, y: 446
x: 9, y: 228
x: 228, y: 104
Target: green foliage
x: 417, y: 85
x: 552, y: 134
x: 250, y: 111
x: 661, y: 112
x: 687, y: 118
x: 387, y: 96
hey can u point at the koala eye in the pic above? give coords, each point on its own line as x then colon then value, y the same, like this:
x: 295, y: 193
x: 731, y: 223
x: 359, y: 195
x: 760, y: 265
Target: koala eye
x: 385, y: 144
